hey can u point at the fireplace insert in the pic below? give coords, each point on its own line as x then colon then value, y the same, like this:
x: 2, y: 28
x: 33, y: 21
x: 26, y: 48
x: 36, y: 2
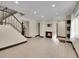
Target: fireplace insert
x: 48, y: 34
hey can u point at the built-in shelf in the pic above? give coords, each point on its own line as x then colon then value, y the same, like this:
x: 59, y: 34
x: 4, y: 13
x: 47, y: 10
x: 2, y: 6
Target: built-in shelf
x: 68, y: 25
x: 68, y: 28
x: 68, y: 32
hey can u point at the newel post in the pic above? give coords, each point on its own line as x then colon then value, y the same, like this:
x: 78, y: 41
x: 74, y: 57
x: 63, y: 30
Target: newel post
x: 23, y: 32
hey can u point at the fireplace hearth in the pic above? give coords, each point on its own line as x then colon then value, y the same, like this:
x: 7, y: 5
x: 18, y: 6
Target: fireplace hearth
x: 48, y: 34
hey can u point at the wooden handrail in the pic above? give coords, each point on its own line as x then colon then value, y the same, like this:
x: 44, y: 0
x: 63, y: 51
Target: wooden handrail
x: 16, y: 19
x: 11, y: 13
x: 4, y: 9
x: 21, y: 24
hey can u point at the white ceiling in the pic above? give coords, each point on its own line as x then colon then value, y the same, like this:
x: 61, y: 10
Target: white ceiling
x: 42, y: 10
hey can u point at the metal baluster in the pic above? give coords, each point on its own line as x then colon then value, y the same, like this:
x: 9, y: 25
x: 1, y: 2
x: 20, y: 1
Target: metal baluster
x: 1, y: 22
x: 16, y: 24
x: 23, y: 28
x: 10, y: 19
x: 5, y: 14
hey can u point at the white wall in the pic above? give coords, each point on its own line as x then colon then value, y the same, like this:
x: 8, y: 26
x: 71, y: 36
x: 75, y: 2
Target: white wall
x: 74, y: 37
x: 73, y: 28
x: 26, y: 24
x: 44, y: 28
x: 75, y: 32
x: 77, y: 27
x: 75, y: 23
x: 33, y: 28
x: 62, y: 28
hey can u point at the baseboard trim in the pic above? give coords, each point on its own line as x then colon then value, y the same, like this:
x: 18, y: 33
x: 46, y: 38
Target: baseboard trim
x: 41, y: 36
x: 73, y: 48
x: 61, y: 36
x: 69, y: 42
x: 27, y: 37
x: 37, y: 35
x: 63, y: 41
x: 12, y: 45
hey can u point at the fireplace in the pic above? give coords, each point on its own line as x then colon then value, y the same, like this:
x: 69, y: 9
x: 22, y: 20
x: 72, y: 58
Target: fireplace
x: 48, y: 34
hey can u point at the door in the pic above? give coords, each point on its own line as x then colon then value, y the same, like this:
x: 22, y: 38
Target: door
x: 39, y: 29
x: 61, y: 29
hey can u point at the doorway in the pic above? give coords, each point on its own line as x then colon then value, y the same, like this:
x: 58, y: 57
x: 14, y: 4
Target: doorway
x: 61, y: 29
x: 38, y: 29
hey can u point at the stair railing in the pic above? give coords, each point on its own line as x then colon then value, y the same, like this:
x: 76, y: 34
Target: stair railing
x: 14, y: 22
x: 10, y: 18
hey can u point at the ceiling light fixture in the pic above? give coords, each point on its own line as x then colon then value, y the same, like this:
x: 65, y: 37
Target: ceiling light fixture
x: 53, y: 5
x: 35, y: 12
x: 16, y: 2
x: 56, y: 13
x: 42, y: 16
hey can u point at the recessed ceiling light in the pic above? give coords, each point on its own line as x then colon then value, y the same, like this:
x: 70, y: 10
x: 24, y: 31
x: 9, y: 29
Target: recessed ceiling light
x: 16, y: 2
x: 42, y: 16
x: 35, y: 12
x: 53, y: 5
x: 56, y: 13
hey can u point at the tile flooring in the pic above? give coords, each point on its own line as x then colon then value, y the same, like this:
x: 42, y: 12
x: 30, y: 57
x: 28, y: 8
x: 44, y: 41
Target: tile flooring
x: 40, y: 48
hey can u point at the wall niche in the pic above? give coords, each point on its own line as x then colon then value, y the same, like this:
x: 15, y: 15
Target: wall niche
x: 49, y: 25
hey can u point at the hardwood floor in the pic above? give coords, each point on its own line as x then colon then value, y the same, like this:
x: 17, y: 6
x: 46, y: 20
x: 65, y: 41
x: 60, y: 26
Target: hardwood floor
x: 40, y: 48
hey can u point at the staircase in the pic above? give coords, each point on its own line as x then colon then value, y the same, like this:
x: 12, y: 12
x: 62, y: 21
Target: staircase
x: 11, y: 29
x: 9, y: 36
